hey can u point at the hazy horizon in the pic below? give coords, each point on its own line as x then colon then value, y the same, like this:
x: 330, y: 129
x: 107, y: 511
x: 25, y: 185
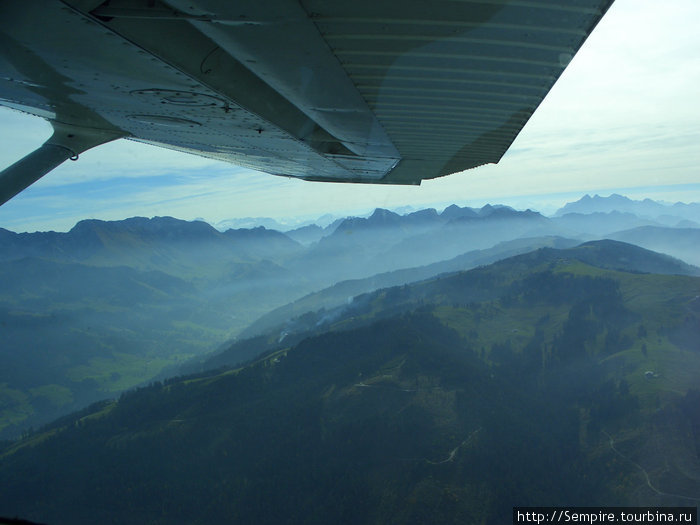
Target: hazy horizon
x: 547, y: 205
x: 623, y: 118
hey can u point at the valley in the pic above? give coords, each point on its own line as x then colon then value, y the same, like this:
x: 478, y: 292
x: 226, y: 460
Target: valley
x: 108, y: 306
x: 449, y: 398
x: 142, y: 357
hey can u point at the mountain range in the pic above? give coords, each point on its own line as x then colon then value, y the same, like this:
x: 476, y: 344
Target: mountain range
x: 676, y: 215
x: 113, y: 304
x: 553, y: 377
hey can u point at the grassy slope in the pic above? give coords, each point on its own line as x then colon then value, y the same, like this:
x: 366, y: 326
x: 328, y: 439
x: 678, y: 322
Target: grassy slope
x: 451, y: 397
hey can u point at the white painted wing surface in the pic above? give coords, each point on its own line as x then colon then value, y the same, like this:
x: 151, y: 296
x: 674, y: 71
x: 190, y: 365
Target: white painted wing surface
x: 375, y: 92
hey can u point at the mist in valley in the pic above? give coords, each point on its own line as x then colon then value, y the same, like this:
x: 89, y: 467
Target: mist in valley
x: 111, y: 305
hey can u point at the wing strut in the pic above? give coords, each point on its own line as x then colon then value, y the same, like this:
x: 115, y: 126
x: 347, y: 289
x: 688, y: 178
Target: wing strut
x: 67, y: 142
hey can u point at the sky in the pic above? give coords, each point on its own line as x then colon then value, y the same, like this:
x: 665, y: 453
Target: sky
x: 623, y: 118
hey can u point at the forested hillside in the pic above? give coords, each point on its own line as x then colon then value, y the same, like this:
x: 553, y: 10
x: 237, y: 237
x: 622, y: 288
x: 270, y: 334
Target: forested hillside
x: 545, y: 379
x: 111, y: 305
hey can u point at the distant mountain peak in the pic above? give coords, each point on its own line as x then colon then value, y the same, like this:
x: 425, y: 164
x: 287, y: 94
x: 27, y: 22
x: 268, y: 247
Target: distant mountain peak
x: 455, y: 212
x: 383, y: 214
x: 490, y: 209
x: 142, y: 225
x: 428, y: 212
x: 614, y: 202
x: 85, y: 225
x: 380, y: 218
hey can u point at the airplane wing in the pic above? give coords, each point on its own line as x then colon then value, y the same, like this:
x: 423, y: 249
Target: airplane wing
x: 380, y: 91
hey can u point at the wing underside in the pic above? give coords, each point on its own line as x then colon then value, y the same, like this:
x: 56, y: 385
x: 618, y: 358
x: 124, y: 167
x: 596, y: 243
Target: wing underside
x: 328, y: 90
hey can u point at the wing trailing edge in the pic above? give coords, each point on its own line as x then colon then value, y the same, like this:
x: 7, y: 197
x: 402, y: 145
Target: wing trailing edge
x: 324, y: 90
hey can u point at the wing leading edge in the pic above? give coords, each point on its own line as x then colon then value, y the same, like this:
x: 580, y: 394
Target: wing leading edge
x: 326, y: 90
